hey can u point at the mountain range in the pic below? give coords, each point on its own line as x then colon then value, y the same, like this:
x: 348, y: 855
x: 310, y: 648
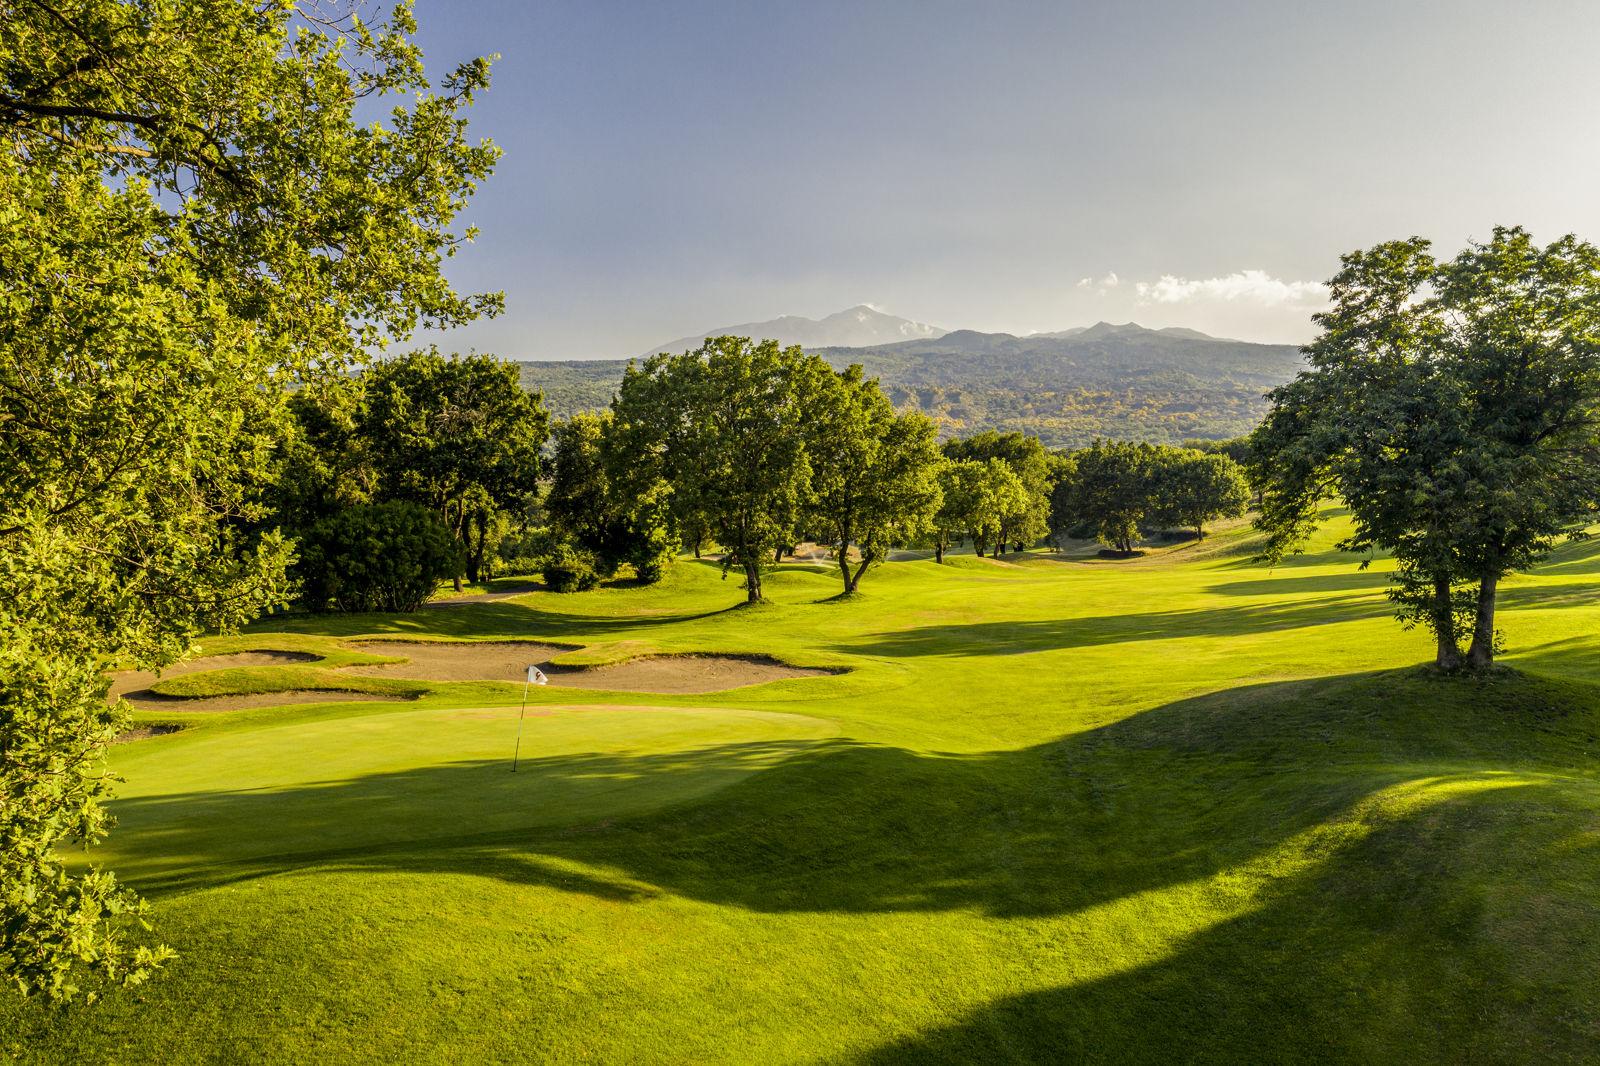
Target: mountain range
x: 1122, y: 381
x: 854, y: 327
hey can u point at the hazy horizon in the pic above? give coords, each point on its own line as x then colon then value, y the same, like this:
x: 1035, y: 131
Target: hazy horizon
x: 1016, y: 169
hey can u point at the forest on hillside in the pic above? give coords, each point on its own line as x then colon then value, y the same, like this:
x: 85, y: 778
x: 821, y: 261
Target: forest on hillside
x: 1067, y: 391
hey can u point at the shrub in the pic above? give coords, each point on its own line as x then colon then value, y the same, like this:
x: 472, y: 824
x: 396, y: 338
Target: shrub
x: 375, y: 557
x: 569, y: 570
x: 524, y: 552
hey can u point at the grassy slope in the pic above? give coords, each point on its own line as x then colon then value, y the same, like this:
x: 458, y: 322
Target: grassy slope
x: 1057, y: 810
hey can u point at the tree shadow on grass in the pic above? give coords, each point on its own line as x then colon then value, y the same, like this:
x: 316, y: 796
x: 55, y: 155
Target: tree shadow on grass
x: 1462, y: 924
x: 481, y: 620
x: 1022, y: 637
x: 1168, y: 796
x: 1463, y: 931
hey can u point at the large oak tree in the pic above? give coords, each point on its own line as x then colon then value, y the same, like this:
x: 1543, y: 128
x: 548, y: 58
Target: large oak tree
x: 873, y: 472
x: 726, y: 427
x: 1455, y: 406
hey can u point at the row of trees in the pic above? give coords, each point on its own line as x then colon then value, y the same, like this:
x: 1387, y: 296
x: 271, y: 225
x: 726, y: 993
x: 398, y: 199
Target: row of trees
x: 456, y: 439
x: 752, y: 447
x: 755, y: 447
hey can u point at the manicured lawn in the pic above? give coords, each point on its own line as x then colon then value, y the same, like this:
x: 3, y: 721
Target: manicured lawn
x: 1177, y: 807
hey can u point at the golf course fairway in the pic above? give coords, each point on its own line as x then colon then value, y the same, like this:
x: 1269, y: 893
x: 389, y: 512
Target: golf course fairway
x: 1045, y: 809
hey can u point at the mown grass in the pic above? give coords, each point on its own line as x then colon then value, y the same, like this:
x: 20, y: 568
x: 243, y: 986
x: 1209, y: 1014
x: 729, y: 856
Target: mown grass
x: 1178, y: 807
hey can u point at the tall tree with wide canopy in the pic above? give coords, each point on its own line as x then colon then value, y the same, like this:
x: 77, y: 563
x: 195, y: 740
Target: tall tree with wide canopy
x: 960, y: 501
x: 726, y: 427
x: 191, y: 221
x: 1112, y: 490
x: 1192, y: 489
x: 459, y: 435
x: 1002, y: 503
x: 1028, y: 460
x: 873, y: 472
x: 598, y: 500
x: 1455, y: 406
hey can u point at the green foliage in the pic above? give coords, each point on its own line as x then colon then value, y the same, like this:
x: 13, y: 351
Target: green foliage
x: 323, y: 462
x: 1112, y: 491
x: 1008, y: 522
x: 376, y: 557
x: 192, y: 222
x: 960, y: 503
x: 873, y: 472
x: 600, y: 500
x: 1193, y: 489
x: 726, y: 427
x: 568, y: 569
x: 1456, y: 407
x: 457, y: 435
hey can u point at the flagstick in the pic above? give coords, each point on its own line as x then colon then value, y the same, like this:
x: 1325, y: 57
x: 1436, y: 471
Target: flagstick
x: 520, y: 716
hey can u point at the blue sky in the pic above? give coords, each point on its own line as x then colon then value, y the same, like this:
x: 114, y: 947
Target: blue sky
x: 673, y: 167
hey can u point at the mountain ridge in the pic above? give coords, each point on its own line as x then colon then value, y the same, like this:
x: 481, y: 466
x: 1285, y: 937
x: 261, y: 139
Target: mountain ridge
x: 860, y: 326
x: 1123, y: 381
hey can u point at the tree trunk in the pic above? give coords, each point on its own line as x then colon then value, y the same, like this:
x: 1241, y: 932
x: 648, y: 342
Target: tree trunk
x: 841, y: 554
x: 854, y: 580
x: 1480, y: 655
x: 479, y: 537
x: 1448, y: 656
x: 778, y: 555
x: 752, y: 582
x: 1199, y: 532
x: 938, y: 552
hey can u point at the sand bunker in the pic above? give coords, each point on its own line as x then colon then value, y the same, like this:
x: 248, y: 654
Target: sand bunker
x: 145, y: 732
x: 684, y: 673
x: 509, y: 661
x: 145, y: 700
x: 130, y: 682
x: 454, y: 660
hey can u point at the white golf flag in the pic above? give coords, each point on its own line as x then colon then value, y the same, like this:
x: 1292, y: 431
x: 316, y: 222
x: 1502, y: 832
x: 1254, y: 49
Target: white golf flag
x: 536, y: 676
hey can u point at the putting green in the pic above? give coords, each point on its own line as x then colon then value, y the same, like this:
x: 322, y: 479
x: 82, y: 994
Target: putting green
x: 307, y: 789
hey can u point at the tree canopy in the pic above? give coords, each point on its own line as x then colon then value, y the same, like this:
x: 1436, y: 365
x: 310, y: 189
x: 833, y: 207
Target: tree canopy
x: 597, y: 500
x: 192, y: 222
x: 458, y: 435
x: 1455, y: 406
x: 873, y: 472
x: 726, y: 427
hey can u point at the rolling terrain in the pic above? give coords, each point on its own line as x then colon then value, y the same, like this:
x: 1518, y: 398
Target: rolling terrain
x: 1056, y: 809
x: 1117, y: 381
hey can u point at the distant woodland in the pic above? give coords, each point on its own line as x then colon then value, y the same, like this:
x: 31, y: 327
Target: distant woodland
x: 1118, y: 382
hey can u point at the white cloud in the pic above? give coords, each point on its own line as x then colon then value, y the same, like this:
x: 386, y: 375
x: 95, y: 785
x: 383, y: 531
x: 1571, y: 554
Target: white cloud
x: 1103, y: 285
x: 1254, y: 287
